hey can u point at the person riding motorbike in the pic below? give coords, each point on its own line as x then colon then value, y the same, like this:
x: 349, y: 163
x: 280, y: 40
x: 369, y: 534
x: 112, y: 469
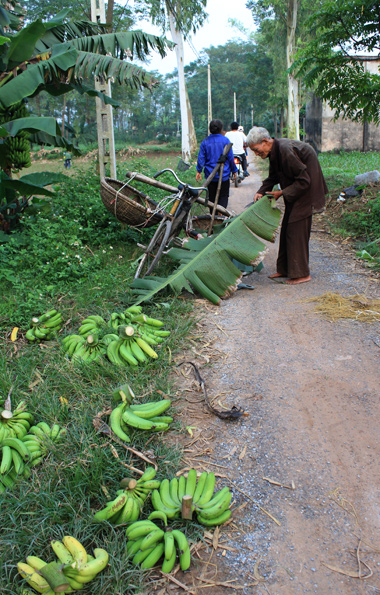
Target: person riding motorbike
x: 238, y: 139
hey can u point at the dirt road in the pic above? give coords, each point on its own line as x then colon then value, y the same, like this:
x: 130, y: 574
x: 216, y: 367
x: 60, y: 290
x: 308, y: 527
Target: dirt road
x: 311, y: 388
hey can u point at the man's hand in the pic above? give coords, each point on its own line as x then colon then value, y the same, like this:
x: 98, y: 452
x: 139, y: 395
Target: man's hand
x: 275, y: 193
x: 198, y: 177
x: 257, y: 197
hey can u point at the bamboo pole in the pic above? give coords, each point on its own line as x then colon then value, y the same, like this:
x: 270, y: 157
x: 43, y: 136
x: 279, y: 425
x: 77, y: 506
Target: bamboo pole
x: 225, y: 152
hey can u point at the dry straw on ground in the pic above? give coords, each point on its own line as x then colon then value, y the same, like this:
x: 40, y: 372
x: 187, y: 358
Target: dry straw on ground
x: 356, y: 307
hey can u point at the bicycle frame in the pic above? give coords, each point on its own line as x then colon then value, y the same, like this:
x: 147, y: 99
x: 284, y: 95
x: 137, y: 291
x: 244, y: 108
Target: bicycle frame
x: 174, y: 219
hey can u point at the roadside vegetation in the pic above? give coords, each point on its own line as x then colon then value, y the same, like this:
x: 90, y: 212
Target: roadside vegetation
x: 70, y: 254
x: 358, y: 218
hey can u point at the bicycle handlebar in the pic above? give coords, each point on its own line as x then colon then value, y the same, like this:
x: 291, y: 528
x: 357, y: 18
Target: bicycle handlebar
x: 192, y: 188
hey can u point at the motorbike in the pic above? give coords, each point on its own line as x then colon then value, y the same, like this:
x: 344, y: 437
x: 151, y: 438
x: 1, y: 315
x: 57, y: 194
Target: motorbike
x: 240, y: 174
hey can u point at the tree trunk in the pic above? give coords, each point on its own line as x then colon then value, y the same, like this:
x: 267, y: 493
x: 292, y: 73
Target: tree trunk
x: 38, y: 105
x: 63, y: 116
x: 282, y: 121
x: 187, y: 125
x: 275, y: 122
x: 109, y: 15
x: 293, y: 101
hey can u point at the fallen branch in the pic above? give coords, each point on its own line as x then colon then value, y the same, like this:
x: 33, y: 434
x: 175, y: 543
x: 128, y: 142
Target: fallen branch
x: 281, y: 485
x: 233, y: 413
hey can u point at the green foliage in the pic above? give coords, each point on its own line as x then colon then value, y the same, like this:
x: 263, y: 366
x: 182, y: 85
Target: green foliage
x: 240, y: 67
x: 341, y: 168
x: 343, y: 28
x: 189, y: 15
x: 64, y: 243
x: 358, y: 219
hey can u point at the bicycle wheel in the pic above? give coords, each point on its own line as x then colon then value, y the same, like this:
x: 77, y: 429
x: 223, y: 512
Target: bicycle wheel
x: 201, y: 223
x: 154, y: 250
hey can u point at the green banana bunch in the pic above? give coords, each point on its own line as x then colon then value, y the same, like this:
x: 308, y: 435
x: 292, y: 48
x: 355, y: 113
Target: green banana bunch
x: 147, y: 543
x: 85, y: 348
x: 38, y: 439
x: 15, y: 462
x: 16, y: 425
x: 44, y: 432
x: 127, y: 505
x: 45, y: 327
x: 147, y: 416
x: 16, y: 148
x: 77, y: 566
x: 212, y: 509
x: 137, y: 334
x: 123, y: 509
x: 129, y: 350
x: 93, y: 324
x: 71, y: 343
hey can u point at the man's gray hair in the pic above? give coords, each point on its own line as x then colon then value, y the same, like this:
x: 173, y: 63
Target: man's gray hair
x: 256, y: 135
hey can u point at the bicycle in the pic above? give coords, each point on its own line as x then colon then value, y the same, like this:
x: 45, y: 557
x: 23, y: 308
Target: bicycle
x: 179, y: 218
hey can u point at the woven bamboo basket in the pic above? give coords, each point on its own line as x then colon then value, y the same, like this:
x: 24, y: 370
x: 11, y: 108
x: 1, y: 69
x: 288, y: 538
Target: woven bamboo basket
x: 127, y: 204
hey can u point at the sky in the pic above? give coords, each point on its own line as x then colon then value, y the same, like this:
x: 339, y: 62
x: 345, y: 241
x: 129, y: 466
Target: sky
x: 215, y: 31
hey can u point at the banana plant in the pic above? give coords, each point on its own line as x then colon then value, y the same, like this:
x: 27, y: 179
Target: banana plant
x: 206, y: 265
x: 57, y: 56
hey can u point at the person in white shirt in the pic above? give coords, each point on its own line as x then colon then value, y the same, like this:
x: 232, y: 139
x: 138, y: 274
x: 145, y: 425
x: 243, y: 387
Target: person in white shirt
x: 238, y: 140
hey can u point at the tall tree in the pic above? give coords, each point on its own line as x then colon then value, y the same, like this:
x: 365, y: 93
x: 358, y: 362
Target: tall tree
x: 343, y: 29
x: 293, y: 95
x: 181, y: 17
x: 280, y: 16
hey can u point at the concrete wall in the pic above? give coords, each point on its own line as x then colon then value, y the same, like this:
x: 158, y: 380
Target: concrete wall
x: 330, y: 135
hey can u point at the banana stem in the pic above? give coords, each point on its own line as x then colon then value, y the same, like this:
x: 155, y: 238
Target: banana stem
x: 187, y: 505
x: 7, y: 411
x: 53, y: 575
x: 92, y: 340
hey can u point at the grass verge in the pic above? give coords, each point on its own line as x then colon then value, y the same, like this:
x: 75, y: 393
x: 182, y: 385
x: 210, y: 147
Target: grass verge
x: 72, y: 256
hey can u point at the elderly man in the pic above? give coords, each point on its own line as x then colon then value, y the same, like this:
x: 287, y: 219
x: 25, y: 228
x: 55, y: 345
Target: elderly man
x: 295, y: 167
x: 210, y: 151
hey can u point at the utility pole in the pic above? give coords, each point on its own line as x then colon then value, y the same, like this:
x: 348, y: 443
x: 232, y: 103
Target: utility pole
x: 209, y: 104
x: 104, y: 118
x: 251, y: 115
x: 234, y: 107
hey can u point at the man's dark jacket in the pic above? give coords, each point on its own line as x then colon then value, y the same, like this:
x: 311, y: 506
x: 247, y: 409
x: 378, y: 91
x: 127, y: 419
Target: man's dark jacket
x: 295, y: 166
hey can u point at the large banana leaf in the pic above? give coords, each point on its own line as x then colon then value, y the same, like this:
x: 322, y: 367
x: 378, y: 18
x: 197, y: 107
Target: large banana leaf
x: 70, y: 66
x: 30, y: 184
x: 206, y: 265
